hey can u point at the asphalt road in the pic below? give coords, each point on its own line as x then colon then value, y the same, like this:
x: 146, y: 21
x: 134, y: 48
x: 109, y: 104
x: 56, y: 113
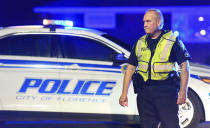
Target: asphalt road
x: 73, y: 124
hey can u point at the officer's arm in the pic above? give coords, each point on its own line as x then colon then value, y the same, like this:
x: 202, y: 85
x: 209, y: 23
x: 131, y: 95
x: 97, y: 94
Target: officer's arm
x: 123, y: 101
x: 185, y: 72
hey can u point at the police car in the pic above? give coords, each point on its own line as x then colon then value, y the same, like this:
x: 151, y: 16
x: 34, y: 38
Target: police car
x: 45, y: 69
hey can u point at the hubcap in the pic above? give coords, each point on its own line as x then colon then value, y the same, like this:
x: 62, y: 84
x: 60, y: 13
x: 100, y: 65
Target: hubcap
x: 185, y: 113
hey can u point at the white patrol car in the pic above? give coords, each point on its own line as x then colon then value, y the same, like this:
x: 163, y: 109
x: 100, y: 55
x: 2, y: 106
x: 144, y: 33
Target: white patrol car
x: 77, y: 71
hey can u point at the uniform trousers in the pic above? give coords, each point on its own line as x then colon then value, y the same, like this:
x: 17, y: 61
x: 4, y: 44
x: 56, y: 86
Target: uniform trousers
x: 157, y: 103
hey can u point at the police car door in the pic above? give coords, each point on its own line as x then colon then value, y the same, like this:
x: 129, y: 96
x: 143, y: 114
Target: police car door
x: 28, y: 73
x: 90, y: 82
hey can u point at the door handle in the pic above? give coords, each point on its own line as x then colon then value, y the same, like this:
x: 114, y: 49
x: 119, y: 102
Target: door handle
x: 72, y: 67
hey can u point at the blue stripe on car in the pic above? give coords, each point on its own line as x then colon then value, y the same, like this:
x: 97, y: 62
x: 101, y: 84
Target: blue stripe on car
x: 51, y: 64
x: 5, y: 61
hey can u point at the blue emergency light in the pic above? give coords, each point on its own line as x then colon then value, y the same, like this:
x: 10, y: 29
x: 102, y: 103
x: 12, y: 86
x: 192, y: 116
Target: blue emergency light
x: 65, y: 23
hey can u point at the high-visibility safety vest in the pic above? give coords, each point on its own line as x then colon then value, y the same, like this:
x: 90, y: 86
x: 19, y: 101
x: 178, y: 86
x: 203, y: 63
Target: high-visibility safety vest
x: 159, y: 62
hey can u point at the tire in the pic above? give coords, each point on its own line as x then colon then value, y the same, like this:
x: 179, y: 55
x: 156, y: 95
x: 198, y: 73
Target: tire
x: 191, y: 113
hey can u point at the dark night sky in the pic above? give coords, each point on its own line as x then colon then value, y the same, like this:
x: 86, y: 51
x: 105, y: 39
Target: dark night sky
x: 17, y: 12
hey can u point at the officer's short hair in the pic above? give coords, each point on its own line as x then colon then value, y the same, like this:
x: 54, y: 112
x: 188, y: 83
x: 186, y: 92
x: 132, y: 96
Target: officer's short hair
x: 158, y: 14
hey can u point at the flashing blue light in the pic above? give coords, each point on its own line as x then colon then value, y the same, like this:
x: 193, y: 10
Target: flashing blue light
x: 68, y: 23
x: 65, y: 23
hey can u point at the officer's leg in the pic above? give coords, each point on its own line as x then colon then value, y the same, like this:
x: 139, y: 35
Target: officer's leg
x: 147, y: 112
x: 168, y: 109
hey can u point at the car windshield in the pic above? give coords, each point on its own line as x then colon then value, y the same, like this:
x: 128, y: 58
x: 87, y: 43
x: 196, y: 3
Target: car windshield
x: 119, y: 42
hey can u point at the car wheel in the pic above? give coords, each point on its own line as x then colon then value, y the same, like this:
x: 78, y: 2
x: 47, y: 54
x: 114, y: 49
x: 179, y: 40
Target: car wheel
x: 190, y: 113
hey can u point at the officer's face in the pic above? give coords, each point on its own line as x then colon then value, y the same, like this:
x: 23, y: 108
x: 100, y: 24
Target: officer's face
x: 151, y: 23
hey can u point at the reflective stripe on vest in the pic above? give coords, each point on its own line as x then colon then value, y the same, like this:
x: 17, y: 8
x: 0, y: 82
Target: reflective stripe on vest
x: 169, y: 43
x: 160, y: 67
x: 143, y: 66
x: 139, y: 44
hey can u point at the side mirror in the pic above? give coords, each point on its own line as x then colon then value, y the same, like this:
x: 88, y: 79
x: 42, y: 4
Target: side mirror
x: 119, y: 59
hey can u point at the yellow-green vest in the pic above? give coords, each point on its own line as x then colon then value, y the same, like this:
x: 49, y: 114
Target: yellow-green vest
x: 160, y: 65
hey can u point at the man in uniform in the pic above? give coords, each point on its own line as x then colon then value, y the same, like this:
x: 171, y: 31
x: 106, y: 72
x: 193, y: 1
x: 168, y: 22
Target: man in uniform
x: 154, y: 57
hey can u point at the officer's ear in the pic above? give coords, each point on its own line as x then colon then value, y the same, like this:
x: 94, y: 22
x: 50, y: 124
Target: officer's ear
x: 159, y: 23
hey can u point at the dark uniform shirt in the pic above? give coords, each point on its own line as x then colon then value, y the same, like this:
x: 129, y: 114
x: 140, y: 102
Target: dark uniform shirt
x: 178, y: 54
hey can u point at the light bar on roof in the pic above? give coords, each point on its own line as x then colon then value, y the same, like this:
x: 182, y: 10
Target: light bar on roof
x: 66, y: 23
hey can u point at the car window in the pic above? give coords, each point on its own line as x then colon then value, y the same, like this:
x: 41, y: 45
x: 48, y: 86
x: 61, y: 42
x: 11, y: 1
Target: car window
x: 26, y: 45
x: 85, y: 48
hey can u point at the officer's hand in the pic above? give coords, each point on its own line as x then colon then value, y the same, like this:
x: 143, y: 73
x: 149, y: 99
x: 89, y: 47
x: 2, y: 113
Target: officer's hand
x: 182, y: 98
x: 123, y: 101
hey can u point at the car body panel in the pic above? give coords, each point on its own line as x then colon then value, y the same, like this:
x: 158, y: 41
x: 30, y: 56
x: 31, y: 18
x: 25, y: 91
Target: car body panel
x: 201, y: 88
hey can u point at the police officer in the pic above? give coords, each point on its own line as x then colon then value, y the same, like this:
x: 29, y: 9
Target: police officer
x: 160, y: 91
